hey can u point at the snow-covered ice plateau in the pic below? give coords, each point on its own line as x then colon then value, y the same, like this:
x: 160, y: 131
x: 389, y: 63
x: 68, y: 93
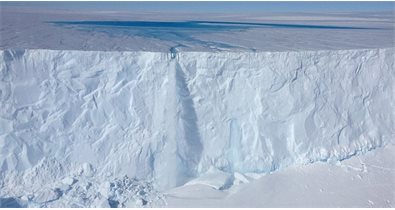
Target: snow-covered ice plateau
x: 158, y: 32
x: 207, y: 112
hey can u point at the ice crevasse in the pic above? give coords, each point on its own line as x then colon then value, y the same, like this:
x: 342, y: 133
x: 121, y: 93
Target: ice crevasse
x: 171, y: 117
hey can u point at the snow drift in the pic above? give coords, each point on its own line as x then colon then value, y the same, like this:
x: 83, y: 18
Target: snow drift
x: 172, y: 117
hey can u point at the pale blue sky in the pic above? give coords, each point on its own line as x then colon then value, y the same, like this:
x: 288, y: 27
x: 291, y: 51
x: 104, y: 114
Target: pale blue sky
x: 214, y: 6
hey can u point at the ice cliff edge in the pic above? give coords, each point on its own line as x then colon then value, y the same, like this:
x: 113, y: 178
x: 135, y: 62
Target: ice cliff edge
x: 172, y: 117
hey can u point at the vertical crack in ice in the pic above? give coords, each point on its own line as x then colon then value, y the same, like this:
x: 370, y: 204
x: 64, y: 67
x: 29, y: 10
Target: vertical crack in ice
x: 173, y: 52
x: 189, y: 144
x: 179, y: 160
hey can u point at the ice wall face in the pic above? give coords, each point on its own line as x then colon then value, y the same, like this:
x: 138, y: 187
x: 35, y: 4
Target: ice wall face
x: 269, y: 110
x: 148, y: 115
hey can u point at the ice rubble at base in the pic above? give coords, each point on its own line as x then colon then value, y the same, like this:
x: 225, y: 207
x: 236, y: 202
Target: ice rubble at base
x: 51, y: 184
x: 155, y: 116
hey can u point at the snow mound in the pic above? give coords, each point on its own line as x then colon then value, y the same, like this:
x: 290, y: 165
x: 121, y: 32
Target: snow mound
x: 171, y: 117
x: 362, y: 181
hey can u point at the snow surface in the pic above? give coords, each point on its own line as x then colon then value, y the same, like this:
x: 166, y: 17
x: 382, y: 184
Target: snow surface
x: 130, y: 31
x: 94, y: 128
x: 367, y: 180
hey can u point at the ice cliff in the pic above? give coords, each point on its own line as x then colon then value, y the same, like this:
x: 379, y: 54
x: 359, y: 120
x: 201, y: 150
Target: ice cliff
x: 171, y: 117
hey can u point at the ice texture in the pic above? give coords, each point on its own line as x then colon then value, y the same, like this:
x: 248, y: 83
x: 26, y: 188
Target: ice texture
x: 170, y: 117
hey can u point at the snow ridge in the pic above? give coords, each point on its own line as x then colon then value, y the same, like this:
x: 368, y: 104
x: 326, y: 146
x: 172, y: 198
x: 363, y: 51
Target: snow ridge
x: 171, y: 117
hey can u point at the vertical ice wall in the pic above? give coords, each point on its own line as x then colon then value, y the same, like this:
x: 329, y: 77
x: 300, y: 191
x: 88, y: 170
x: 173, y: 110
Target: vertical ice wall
x: 171, y: 118
x: 261, y: 111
